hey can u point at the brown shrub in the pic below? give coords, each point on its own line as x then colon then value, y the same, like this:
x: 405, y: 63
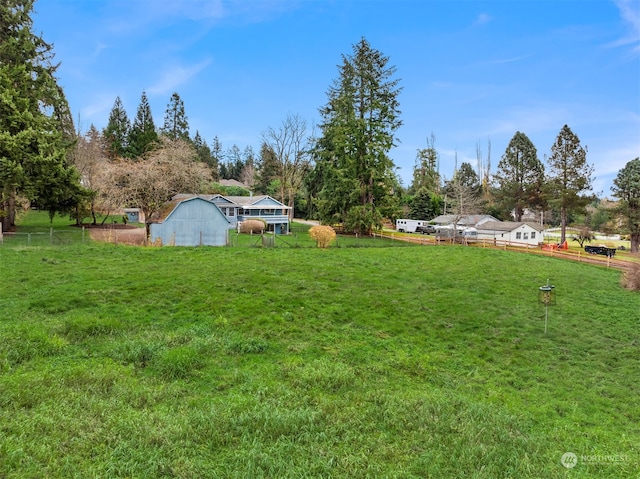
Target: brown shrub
x: 253, y: 226
x: 631, y: 277
x: 323, y: 235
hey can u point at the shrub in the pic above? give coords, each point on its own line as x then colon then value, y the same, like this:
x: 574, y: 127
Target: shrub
x: 178, y: 363
x: 631, y: 277
x: 323, y: 235
x: 252, y: 226
x: 247, y: 346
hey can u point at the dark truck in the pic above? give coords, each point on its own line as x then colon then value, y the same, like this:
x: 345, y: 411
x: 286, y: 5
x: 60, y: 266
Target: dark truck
x: 603, y: 250
x: 426, y: 229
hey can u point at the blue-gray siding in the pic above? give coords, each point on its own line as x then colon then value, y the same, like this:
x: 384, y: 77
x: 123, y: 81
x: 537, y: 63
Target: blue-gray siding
x: 193, y: 222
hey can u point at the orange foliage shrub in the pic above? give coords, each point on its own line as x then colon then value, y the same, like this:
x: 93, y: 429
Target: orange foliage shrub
x: 323, y: 235
x: 252, y: 226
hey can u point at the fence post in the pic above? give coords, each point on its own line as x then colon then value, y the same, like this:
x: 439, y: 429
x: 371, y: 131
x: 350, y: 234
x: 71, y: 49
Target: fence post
x: 28, y: 239
x: 83, y: 235
x: 50, y: 235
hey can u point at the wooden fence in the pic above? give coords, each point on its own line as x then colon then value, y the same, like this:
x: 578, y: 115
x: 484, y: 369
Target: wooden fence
x: 573, y: 255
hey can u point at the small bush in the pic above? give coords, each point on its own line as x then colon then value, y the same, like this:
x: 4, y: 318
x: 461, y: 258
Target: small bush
x: 247, y: 346
x: 84, y: 327
x: 178, y: 363
x: 631, y: 277
x: 252, y: 226
x: 323, y: 235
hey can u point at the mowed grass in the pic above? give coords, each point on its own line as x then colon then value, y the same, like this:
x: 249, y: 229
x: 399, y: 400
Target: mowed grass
x: 298, y: 362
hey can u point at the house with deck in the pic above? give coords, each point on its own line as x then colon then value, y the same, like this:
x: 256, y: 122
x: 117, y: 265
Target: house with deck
x: 241, y: 208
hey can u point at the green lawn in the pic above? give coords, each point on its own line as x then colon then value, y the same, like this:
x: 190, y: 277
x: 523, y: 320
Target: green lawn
x: 297, y: 362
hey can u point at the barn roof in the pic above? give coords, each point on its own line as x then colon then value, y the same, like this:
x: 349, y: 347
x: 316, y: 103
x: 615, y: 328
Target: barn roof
x: 170, y: 206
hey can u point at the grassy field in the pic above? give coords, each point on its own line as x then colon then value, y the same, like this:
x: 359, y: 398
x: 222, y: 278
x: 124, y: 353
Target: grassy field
x: 404, y: 362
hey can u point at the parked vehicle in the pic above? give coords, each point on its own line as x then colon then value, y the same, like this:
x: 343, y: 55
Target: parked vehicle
x: 426, y: 229
x: 470, y: 233
x: 408, y: 226
x: 603, y: 250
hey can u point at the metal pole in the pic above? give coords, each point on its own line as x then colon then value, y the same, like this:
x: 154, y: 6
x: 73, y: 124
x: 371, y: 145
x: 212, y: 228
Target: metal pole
x: 546, y: 315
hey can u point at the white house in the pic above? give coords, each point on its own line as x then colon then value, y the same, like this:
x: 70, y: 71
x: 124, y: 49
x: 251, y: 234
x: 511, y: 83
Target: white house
x: 516, y: 233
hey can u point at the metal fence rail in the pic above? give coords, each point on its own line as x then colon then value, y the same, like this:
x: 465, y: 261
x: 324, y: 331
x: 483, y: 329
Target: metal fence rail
x: 43, y: 238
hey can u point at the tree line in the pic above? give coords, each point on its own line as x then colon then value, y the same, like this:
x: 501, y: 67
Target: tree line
x: 340, y: 174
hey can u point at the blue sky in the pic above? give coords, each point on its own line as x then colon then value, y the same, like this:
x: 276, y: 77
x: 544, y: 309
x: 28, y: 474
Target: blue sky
x: 471, y: 71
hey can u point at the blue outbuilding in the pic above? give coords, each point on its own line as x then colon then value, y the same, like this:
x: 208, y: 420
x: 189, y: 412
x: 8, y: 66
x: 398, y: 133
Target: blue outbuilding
x: 194, y: 221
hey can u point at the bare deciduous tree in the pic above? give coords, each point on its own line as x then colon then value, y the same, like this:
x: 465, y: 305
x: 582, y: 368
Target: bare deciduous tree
x: 163, y: 173
x: 90, y: 159
x: 290, y: 145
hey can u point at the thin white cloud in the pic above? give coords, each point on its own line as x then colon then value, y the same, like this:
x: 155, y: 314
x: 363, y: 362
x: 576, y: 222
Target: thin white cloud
x: 507, y: 60
x: 630, y: 13
x: 174, y: 76
x: 482, y: 19
x: 98, y: 49
x: 139, y: 15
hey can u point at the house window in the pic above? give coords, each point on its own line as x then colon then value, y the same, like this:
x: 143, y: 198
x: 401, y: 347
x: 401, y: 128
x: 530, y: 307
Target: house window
x: 232, y: 211
x: 533, y: 235
x: 526, y: 236
x: 518, y: 235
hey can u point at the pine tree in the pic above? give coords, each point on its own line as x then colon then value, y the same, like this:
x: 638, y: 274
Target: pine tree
x: 268, y: 169
x: 520, y: 176
x: 142, y: 136
x: 176, y: 124
x: 217, y: 158
x: 626, y: 187
x: 35, y: 124
x: 570, y: 175
x: 425, y: 171
x: 202, y: 149
x: 358, y: 130
x: 116, y: 133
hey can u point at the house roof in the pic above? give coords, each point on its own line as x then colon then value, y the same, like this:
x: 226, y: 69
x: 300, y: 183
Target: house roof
x: 507, y: 225
x: 462, y: 220
x: 244, y: 201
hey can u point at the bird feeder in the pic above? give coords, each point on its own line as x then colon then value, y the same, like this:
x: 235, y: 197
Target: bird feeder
x: 547, y: 297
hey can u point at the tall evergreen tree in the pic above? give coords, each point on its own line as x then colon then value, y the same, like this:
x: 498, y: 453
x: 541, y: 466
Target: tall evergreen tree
x: 234, y: 163
x: 268, y: 169
x: 425, y: 171
x: 35, y: 123
x: 425, y: 205
x: 569, y: 176
x: 176, y: 124
x: 218, y: 158
x: 626, y: 187
x: 143, y: 135
x: 358, y: 130
x: 116, y: 133
x: 520, y: 177
x: 202, y: 149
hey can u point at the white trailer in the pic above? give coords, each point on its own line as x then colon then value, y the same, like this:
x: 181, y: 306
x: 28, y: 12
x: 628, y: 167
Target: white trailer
x: 408, y: 226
